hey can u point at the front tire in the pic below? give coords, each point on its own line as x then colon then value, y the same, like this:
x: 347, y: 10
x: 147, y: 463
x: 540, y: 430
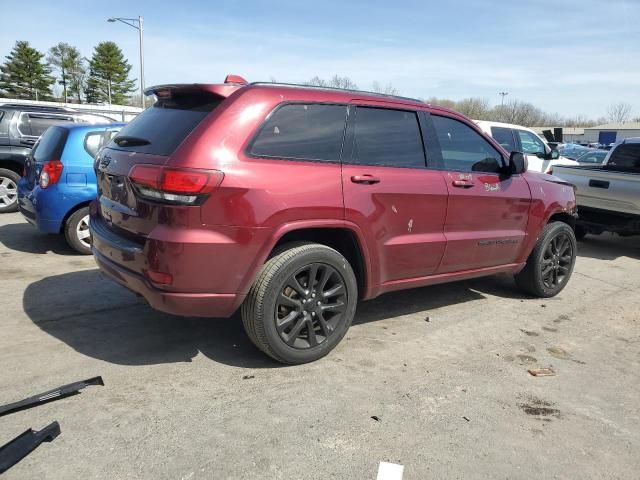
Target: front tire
x: 301, y: 304
x: 8, y: 191
x: 76, y: 231
x: 551, y: 262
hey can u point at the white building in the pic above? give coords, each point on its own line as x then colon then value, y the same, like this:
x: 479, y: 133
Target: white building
x: 611, y: 132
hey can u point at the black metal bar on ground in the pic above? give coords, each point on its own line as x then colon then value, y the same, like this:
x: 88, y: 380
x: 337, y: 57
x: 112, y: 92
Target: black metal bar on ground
x: 50, y: 396
x: 21, y: 446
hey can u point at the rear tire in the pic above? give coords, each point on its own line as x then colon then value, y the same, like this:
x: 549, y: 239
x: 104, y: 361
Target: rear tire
x: 551, y: 262
x: 76, y: 231
x: 301, y: 304
x: 8, y: 190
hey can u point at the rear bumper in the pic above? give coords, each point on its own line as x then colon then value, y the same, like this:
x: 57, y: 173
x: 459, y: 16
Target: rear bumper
x: 46, y: 209
x: 183, y: 304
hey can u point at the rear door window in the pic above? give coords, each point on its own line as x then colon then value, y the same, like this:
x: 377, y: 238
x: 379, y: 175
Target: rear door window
x: 387, y: 137
x: 35, y: 124
x: 464, y: 149
x: 625, y: 157
x: 50, y: 145
x: 161, y: 128
x: 302, y: 131
x: 504, y: 136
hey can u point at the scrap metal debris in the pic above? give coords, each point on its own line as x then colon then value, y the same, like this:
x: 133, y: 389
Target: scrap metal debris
x: 49, y: 396
x: 21, y: 446
x: 542, y: 372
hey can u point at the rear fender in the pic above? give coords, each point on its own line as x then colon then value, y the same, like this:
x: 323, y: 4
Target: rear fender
x: 370, y: 277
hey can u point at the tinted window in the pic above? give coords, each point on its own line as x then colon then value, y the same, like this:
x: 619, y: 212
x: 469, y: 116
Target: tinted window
x: 34, y: 124
x: 465, y: 149
x: 504, y: 136
x: 50, y: 145
x: 592, y: 157
x: 531, y: 144
x: 387, y: 137
x: 625, y: 156
x: 310, y: 132
x: 40, y: 122
x: 161, y: 128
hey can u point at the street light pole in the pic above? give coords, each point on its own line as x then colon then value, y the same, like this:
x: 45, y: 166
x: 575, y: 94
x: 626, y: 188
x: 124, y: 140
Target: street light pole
x: 503, y: 94
x: 140, y: 31
x: 132, y: 23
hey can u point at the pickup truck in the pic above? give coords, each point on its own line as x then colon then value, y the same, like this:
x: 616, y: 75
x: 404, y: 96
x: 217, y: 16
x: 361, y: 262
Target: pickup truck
x: 608, y: 196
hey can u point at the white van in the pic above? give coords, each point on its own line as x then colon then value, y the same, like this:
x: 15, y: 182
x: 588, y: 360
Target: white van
x: 540, y: 156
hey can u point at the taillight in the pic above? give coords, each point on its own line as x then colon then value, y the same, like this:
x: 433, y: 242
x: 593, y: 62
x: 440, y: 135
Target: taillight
x: 51, y: 173
x: 174, y: 185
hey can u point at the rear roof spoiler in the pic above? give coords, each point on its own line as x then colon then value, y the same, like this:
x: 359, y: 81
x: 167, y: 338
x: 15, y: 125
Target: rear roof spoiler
x: 230, y: 85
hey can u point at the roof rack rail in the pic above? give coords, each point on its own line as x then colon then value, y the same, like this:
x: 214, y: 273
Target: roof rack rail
x: 336, y: 89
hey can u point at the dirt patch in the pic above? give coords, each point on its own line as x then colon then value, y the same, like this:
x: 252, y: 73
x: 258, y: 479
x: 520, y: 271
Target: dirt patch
x: 539, y: 408
x: 529, y: 333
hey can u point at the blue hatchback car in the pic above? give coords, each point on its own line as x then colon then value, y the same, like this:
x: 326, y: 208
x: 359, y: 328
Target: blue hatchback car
x: 59, y: 180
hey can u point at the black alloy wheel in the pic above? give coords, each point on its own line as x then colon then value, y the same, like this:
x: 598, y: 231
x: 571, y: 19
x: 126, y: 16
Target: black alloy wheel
x: 557, y: 261
x: 310, y: 306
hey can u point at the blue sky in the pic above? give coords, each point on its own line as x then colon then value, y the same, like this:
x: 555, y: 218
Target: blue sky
x: 566, y: 56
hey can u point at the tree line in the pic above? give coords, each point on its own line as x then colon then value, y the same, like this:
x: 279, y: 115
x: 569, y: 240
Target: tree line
x: 30, y: 74
x: 513, y: 111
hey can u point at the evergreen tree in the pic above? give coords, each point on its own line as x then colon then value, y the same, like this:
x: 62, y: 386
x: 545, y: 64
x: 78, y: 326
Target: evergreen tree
x: 108, y: 75
x: 66, y: 59
x: 24, y: 75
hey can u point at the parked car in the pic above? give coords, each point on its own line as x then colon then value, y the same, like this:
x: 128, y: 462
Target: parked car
x: 514, y: 138
x: 295, y: 202
x: 592, y: 157
x: 60, y: 180
x: 608, y: 195
x: 20, y: 126
x: 573, y: 151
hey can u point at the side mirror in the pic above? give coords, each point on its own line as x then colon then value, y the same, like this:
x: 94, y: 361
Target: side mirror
x: 518, y: 163
x: 554, y: 155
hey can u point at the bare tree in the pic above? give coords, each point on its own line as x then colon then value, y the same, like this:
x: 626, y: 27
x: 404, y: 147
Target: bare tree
x: 387, y: 89
x: 335, y: 82
x: 476, y: 108
x: 520, y: 113
x: 619, y: 112
x: 442, y: 102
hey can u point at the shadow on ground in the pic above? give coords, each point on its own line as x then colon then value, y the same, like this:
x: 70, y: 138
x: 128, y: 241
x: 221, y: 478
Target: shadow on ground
x: 26, y: 238
x: 608, y: 246
x: 100, y: 319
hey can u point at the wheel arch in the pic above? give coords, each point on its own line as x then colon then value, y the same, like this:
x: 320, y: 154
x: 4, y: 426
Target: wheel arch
x: 12, y: 165
x: 563, y: 217
x: 71, y: 212
x: 341, y: 236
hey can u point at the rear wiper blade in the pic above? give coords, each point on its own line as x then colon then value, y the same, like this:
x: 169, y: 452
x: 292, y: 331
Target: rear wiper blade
x: 21, y: 446
x: 127, y: 141
x: 49, y: 396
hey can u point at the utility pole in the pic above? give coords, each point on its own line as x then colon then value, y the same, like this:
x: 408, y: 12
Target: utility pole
x: 502, y: 94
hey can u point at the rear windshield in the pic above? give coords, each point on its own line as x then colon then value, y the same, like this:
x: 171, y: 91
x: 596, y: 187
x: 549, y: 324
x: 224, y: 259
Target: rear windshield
x: 50, y: 145
x: 161, y: 128
x: 625, y: 157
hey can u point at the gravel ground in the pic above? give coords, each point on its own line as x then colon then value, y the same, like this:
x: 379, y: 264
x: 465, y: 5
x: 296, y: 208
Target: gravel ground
x: 443, y: 369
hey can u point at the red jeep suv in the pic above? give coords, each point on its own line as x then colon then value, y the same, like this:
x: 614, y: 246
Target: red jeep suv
x: 294, y: 202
